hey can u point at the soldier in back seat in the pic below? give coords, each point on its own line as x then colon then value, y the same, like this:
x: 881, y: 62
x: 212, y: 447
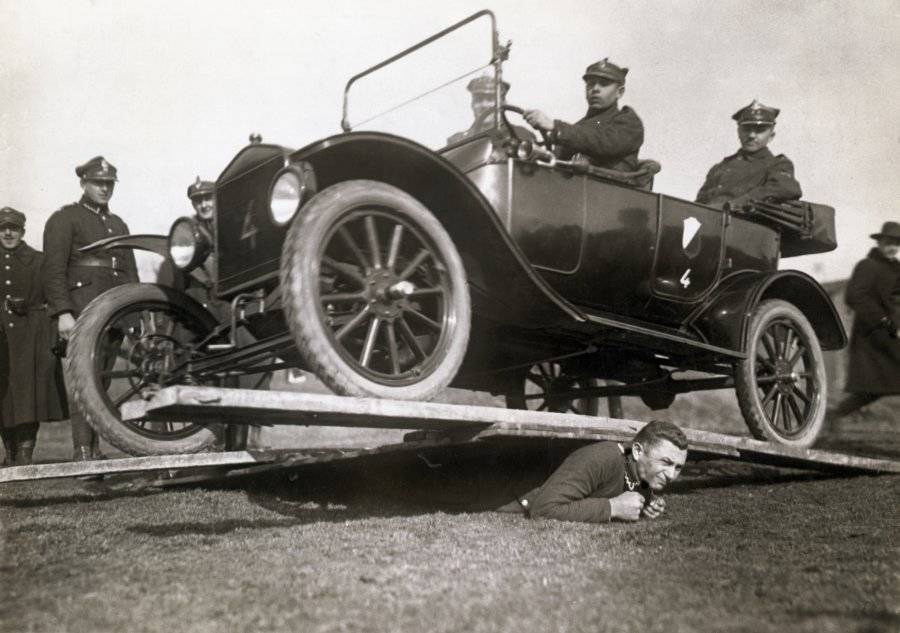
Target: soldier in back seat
x: 753, y: 173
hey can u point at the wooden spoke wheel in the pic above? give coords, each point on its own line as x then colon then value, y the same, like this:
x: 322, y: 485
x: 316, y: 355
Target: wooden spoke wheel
x: 542, y: 380
x: 375, y: 293
x: 129, y: 342
x: 782, y: 386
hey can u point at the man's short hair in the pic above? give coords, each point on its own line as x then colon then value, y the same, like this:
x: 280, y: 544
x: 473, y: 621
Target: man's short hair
x: 657, y: 430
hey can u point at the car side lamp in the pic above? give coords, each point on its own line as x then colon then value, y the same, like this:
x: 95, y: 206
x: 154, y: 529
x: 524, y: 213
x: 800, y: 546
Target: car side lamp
x: 189, y: 243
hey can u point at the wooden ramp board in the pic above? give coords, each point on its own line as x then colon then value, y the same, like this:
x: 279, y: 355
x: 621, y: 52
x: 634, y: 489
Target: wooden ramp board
x: 463, y: 423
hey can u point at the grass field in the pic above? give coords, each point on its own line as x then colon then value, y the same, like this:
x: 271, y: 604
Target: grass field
x: 398, y: 545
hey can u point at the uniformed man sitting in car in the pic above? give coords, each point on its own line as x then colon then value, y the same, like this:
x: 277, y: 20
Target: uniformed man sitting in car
x: 483, y: 91
x: 72, y: 279
x: 608, y: 136
x: 604, y: 482
x: 753, y: 173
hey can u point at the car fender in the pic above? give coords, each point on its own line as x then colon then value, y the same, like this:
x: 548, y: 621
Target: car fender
x: 144, y: 242
x: 501, y: 280
x: 725, y: 317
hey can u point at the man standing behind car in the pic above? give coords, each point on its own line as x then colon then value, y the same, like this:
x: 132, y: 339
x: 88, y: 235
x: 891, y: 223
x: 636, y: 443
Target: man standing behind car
x: 73, y: 279
x: 31, y: 389
x: 753, y: 173
x: 873, y: 293
x: 608, y: 136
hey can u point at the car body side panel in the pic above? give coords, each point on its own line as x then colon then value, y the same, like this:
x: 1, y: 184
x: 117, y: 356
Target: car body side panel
x: 725, y: 318
x: 502, y: 283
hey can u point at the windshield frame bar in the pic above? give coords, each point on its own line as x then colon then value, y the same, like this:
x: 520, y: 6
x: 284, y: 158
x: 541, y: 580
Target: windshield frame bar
x: 495, y: 60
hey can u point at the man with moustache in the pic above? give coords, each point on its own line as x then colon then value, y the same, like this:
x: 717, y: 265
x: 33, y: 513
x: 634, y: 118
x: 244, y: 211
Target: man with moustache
x: 608, y: 136
x: 605, y: 482
x: 753, y: 173
x: 73, y: 279
x: 31, y: 388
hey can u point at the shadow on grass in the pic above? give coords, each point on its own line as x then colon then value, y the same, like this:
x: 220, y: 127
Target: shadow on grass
x: 705, y: 475
x: 863, y: 621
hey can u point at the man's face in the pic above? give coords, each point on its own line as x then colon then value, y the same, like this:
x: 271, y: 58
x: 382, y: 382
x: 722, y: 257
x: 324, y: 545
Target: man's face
x: 602, y: 92
x: 99, y: 191
x: 755, y: 137
x: 205, y: 207
x: 11, y: 235
x: 889, y: 247
x: 482, y: 103
x: 659, y: 464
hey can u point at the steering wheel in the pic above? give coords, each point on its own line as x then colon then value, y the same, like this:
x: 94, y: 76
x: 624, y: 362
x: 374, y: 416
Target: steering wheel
x: 504, y: 108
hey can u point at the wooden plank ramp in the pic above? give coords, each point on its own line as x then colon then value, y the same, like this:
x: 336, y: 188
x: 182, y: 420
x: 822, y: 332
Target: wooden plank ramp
x: 437, y: 426
x: 463, y: 423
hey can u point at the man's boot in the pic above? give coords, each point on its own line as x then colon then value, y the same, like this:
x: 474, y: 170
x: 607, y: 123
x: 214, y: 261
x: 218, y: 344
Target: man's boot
x: 24, y: 453
x: 95, y: 447
x: 82, y: 454
x: 9, y: 459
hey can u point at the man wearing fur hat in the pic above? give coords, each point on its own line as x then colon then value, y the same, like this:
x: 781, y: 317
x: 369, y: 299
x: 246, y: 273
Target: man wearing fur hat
x: 753, y: 173
x: 31, y: 388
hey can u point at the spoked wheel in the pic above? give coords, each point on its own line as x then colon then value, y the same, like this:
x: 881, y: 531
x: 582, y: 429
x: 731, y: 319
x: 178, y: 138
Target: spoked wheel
x: 781, y: 386
x: 129, y: 342
x: 375, y: 293
x: 544, y: 379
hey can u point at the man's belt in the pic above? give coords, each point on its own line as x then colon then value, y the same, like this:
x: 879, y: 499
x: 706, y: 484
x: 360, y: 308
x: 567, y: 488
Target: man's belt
x: 114, y: 263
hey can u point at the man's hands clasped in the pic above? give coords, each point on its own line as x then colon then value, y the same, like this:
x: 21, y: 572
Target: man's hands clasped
x: 630, y: 506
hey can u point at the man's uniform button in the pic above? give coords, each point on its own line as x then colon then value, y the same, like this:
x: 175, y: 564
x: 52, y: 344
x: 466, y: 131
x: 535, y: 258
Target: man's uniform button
x: 78, y: 284
x: 8, y: 282
x: 109, y: 230
x: 6, y: 267
x: 11, y: 325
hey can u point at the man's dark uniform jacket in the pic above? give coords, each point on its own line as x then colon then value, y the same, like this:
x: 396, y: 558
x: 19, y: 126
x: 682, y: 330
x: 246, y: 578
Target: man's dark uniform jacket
x: 31, y: 387
x: 72, y: 279
x: 580, y: 489
x: 873, y: 293
x: 609, y: 138
x: 742, y: 177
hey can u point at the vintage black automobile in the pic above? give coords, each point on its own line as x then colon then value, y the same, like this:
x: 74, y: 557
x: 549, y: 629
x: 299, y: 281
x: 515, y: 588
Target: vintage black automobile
x: 393, y: 271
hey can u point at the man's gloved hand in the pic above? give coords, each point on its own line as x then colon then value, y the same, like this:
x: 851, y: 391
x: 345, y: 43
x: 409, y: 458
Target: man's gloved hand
x: 627, y: 506
x: 65, y: 325
x: 539, y: 120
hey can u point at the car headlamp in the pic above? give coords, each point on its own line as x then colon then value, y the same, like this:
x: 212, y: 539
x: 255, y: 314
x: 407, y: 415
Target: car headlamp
x: 189, y: 244
x: 292, y: 186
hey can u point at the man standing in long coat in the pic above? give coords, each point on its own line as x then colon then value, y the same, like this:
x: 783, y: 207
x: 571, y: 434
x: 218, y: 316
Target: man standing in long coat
x: 72, y: 279
x: 31, y: 387
x: 873, y: 293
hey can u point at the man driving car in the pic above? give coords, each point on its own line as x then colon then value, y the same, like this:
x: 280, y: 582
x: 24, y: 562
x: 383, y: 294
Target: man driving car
x: 608, y: 136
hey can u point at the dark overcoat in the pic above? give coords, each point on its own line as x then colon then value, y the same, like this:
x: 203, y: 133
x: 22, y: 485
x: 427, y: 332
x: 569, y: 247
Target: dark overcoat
x: 32, y: 385
x: 743, y: 177
x: 609, y: 138
x: 873, y: 293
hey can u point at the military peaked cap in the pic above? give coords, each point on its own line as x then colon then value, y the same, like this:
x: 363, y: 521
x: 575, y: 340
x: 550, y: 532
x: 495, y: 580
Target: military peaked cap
x: 756, y: 114
x: 485, y: 84
x: 11, y: 217
x: 607, y: 69
x: 201, y: 188
x: 96, y: 169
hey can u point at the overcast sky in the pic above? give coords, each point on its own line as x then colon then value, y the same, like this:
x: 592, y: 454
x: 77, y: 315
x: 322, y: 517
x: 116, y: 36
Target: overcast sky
x: 166, y: 90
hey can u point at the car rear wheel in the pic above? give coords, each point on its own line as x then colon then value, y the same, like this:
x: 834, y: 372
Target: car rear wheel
x: 533, y: 390
x: 781, y: 386
x: 375, y: 293
x: 129, y: 342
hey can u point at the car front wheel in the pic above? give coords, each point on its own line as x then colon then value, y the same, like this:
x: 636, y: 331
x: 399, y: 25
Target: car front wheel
x: 375, y: 293
x: 129, y: 342
x: 781, y: 386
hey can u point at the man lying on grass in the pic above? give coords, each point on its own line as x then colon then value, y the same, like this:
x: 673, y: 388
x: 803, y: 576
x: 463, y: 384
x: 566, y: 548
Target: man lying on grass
x: 604, y: 481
